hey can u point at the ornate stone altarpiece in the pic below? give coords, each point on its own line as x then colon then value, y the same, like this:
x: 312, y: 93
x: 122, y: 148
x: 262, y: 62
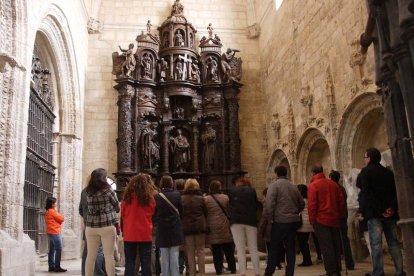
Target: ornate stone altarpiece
x: 178, y: 108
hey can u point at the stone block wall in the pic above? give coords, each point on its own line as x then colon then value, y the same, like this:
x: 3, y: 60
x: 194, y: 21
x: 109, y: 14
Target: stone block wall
x: 121, y: 22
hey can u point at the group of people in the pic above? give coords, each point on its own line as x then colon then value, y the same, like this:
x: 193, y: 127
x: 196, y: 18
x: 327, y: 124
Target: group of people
x: 189, y: 220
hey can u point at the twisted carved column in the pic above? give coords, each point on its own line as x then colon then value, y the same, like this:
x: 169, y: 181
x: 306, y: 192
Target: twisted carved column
x: 234, y: 140
x: 126, y: 92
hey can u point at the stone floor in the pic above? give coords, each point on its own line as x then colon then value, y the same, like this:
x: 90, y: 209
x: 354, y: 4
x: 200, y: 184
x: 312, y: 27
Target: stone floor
x: 73, y: 267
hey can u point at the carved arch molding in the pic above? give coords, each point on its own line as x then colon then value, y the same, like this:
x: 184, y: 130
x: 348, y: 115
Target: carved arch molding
x: 350, y: 125
x: 306, y: 144
x: 278, y: 157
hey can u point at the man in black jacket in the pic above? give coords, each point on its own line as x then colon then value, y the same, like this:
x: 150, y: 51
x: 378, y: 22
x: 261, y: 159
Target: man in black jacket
x: 381, y: 210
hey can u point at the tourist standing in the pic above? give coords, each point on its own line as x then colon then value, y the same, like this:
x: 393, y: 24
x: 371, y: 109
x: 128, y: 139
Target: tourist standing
x: 243, y: 220
x: 220, y: 237
x: 305, y: 229
x: 103, y: 207
x: 169, y: 232
x: 54, y: 222
x: 349, y: 261
x: 283, y: 206
x: 194, y: 225
x: 325, y: 209
x: 380, y: 208
x: 137, y: 209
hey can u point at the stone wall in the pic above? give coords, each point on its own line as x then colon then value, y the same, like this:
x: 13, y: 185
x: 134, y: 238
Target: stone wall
x: 63, y: 26
x: 120, y: 23
x: 310, y: 60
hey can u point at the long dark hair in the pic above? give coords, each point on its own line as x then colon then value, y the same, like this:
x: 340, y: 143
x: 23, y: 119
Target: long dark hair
x: 49, y: 202
x: 142, y: 186
x: 97, y: 181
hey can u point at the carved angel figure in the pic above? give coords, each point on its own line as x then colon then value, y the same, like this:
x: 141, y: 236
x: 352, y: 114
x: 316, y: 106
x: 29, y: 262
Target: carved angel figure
x: 128, y: 66
x: 226, y: 58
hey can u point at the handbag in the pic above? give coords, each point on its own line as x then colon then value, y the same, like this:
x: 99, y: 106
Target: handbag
x: 221, y: 207
x: 169, y: 203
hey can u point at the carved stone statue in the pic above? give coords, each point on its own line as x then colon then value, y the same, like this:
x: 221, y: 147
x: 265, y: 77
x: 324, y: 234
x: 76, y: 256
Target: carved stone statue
x: 180, y: 149
x: 150, y: 147
x: 195, y: 72
x: 36, y: 72
x: 226, y: 58
x: 179, y: 113
x: 208, y: 137
x: 149, y: 26
x: 179, y: 71
x: 128, y: 66
x: 212, y: 67
x: 163, y: 69
x: 210, y: 30
x: 146, y: 71
x: 178, y: 39
x: 177, y: 8
x: 166, y: 39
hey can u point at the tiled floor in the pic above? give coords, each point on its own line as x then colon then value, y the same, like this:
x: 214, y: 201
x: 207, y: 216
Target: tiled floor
x: 73, y: 268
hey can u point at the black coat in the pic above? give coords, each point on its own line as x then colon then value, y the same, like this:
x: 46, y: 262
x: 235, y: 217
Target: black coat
x: 169, y: 231
x: 378, y: 191
x: 243, y: 206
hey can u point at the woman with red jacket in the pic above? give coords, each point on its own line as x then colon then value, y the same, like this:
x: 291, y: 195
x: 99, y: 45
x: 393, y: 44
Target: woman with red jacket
x: 137, y: 209
x: 54, y: 222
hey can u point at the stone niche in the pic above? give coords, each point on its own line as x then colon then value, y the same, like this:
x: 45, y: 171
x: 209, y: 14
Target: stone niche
x: 178, y: 107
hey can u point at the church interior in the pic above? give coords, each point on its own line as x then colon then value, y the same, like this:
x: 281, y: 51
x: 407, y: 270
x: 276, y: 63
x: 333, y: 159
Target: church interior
x: 211, y: 90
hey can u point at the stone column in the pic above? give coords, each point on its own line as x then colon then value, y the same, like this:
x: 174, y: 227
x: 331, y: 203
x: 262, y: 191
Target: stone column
x: 166, y: 152
x: 234, y: 140
x: 195, y: 146
x: 124, y: 141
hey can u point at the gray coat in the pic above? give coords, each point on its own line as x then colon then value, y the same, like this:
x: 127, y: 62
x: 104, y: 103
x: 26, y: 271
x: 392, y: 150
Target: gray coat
x: 283, y: 201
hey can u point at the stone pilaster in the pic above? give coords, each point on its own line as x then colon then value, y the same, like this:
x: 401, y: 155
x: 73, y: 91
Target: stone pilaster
x: 234, y: 140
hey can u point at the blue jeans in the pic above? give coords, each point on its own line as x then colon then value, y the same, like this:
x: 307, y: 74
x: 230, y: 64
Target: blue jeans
x: 99, y: 263
x: 376, y: 226
x: 169, y: 261
x: 144, y: 251
x: 55, y: 251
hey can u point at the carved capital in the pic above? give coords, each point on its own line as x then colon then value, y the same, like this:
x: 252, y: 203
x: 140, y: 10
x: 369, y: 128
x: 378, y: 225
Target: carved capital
x: 94, y: 26
x: 126, y: 92
x: 253, y: 31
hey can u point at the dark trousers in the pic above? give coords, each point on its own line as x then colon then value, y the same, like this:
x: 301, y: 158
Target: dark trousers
x: 280, y: 253
x: 228, y: 249
x: 330, y: 242
x: 317, y: 247
x: 181, y: 261
x: 144, y: 250
x: 349, y: 261
x: 282, y: 233
x: 303, y: 238
x: 55, y: 251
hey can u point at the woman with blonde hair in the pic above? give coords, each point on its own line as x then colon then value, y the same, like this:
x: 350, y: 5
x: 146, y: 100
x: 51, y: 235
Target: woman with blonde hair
x: 194, y: 225
x: 137, y: 209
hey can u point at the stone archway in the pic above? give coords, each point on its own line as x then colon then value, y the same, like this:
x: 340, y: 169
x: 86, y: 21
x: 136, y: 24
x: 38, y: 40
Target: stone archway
x: 278, y: 158
x: 312, y: 149
x: 54, y: 37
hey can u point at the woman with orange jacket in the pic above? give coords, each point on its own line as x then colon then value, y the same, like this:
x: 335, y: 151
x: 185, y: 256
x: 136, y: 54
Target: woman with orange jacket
x: 54, y: 222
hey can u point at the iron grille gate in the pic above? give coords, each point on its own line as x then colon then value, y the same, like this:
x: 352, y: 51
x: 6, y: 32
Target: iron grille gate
x: 39, y: 171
